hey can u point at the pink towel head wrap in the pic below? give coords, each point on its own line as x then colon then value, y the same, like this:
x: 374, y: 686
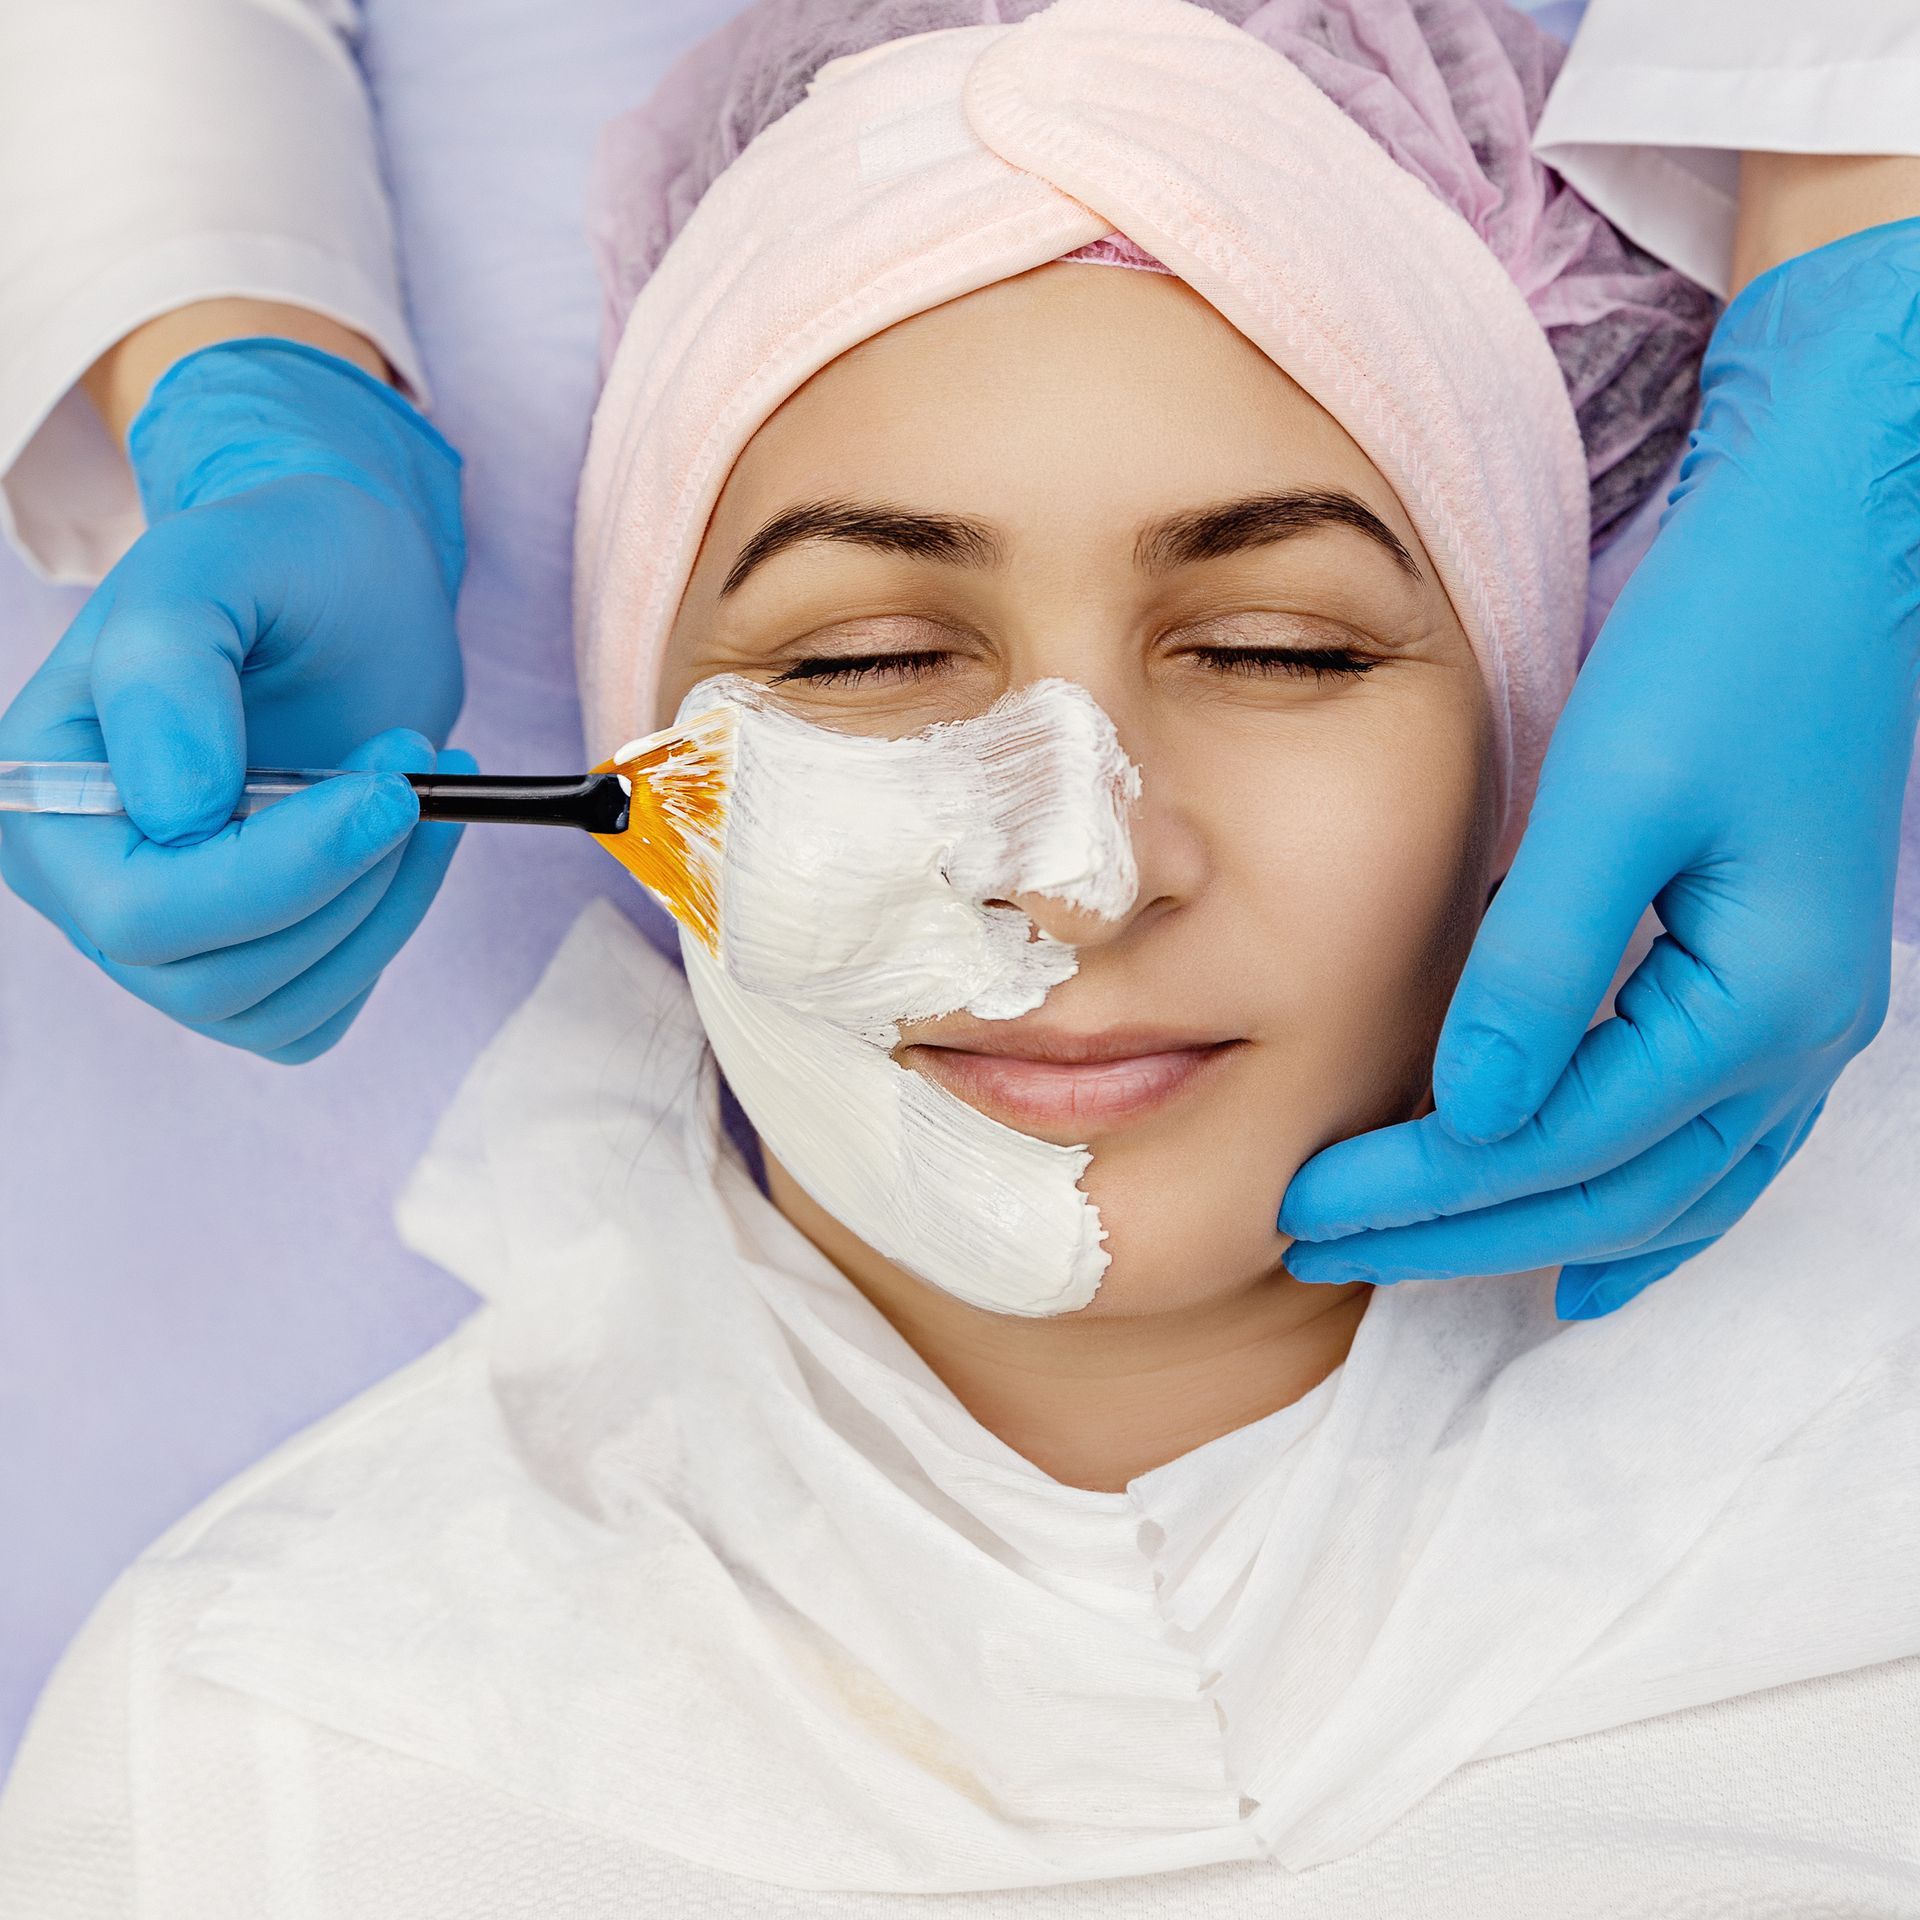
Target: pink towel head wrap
x: 1361, y: 206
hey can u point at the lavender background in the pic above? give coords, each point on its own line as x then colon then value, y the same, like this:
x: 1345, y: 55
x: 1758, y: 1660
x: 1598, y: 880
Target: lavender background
x: 196, y: 1258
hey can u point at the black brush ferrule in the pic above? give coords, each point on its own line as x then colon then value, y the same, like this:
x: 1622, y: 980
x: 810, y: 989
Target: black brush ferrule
x: 596, y: 802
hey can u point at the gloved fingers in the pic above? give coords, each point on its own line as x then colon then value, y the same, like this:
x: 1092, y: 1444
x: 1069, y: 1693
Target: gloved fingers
x: 1632, y: 1082
x: 1391, y: 1177
x: 184, y: 990
x: 1806, y: 1126
x: 324, y: 1036
x: 142, y: 905
x: 1545, y: 954
x: 348, y: 973
x: 1727, y: 1202
x: 198, y: 991
x: 165, y: 681
x: 208, y: 988
x: 1591, y: 1292
x: 287, y: 1022
x: 52, y: 716
x: 1723, y: 1204
x: 25, y: 879
x: 1618, y: 1212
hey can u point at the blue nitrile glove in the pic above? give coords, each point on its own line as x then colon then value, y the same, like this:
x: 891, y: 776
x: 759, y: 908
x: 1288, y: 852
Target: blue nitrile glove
x: 292, y: 596
x: 1735, y: 753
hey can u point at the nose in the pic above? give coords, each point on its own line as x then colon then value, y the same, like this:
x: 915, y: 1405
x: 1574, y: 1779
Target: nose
x: 1171, y: 853
x: 1061, y: 921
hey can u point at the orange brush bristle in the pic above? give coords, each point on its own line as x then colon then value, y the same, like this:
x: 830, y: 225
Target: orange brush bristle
x: 679, y: 782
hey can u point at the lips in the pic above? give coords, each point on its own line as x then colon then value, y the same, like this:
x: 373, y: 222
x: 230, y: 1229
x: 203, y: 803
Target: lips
x: 1077, y: 1084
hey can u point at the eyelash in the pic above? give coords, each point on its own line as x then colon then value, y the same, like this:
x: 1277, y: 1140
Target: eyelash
x: 1319, y: 663
x: 847, y: 670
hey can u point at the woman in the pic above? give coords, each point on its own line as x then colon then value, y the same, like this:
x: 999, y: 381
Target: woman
x: 723, y: 1548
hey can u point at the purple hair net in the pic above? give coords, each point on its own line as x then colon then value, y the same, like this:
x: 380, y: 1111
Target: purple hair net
x: 1451, y: 89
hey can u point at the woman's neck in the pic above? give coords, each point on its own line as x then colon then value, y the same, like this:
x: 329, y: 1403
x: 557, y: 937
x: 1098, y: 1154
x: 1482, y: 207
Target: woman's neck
x: 1097, y: 1401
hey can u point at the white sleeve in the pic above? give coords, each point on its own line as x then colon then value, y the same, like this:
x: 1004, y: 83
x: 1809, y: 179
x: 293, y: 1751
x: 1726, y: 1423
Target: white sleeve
x: 154, y: 153
x: 1657, y: 101
x: 66, y: 1815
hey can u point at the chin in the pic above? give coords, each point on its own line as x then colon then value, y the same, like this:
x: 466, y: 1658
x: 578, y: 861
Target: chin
x: 1173, y: 1248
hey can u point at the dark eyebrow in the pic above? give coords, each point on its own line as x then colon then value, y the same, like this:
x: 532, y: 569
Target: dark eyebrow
x: 1203, y: 533
x: 1208, y: 533
x: 927, y: 536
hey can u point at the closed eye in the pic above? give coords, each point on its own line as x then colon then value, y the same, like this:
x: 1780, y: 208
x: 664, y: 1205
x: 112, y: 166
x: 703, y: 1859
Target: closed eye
x: 904, y: 666
x: 847, y: 670
x: 1316, y: 663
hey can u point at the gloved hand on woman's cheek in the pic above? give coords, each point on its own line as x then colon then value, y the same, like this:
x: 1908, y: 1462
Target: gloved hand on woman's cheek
x: 291, y: 604
x: 1735, y: 753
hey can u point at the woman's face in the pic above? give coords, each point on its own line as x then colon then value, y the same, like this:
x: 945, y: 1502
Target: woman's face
x: 1086, y: 473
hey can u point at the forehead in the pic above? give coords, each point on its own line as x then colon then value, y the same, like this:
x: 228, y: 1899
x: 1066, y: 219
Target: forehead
x: 1073, y: 400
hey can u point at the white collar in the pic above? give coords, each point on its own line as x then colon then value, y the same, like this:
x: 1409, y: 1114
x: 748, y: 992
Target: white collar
x: 679, y: 1537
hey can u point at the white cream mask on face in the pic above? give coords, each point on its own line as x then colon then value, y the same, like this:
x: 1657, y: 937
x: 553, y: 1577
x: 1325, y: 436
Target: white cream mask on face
x: 858, y: 893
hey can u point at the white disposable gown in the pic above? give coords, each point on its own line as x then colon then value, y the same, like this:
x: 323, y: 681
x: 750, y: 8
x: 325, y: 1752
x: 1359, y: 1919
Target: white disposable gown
x: 675, y: 1583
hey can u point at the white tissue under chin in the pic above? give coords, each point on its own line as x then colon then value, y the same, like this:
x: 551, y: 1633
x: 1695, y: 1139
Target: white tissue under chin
x: 855, y: 893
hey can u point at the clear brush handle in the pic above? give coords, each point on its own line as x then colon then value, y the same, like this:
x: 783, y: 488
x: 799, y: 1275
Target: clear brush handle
x: 86, y: 786
x: 597, y: 802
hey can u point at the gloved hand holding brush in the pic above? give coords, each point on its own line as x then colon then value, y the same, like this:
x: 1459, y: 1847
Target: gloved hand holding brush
x: 290, y: 604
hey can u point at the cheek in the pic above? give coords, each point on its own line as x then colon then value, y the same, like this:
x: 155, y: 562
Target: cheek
x: 1364, y: 869
x: 1352, y: 854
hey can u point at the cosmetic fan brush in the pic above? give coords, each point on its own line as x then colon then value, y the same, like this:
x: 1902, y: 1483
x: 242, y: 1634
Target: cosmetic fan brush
x: 660, y: 809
